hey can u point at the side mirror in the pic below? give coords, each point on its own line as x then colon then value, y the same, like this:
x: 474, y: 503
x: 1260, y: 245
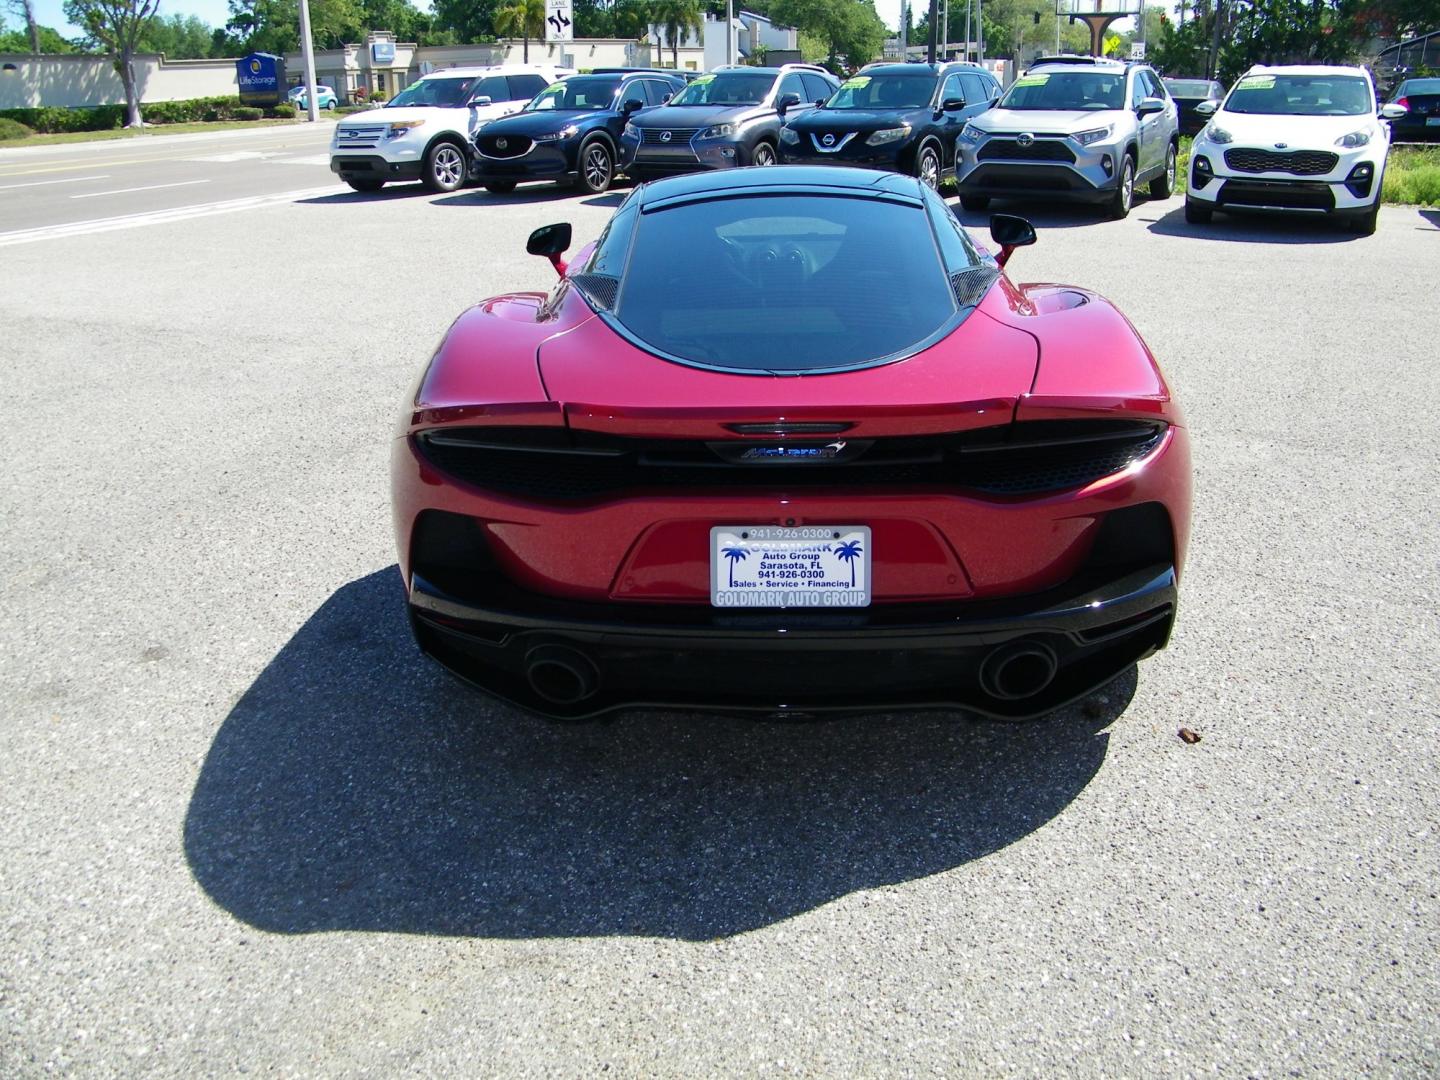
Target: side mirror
x: 785, y: 102
x: 953, y: 104
x: 1207, y: 108
x: 1150, y: 106
x: 552, y: 242
x: 1392, y: 111
x: 1010, y: 232
x: 476, y: 102
x: 632, y: 105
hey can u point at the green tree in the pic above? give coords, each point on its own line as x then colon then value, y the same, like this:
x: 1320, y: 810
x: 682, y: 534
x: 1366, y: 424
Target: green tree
x: 51, y: 43
x: 521, y: 18
x: 470, y: 21
x: 117, y: 26
x: 678, y: 19
x: 850, y: 29
x: 274, y: 25
x: 26, y: 10
x: 632, y: 18
x: 179, y: 37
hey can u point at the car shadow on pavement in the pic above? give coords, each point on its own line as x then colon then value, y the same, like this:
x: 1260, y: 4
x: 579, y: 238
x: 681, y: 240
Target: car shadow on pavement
x: 528, y: 193
x: 1043, y: 215
x: 1255, y: 229
x: 1433, y: 217
x: 354, y: 786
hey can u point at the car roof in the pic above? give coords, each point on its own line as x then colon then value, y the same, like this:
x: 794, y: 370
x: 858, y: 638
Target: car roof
x: 797, y: 179
x: 496, y: 69
x: 1307, y: 69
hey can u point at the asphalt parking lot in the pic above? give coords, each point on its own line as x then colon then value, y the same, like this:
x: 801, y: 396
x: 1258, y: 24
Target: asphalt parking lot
x: 245, y: 827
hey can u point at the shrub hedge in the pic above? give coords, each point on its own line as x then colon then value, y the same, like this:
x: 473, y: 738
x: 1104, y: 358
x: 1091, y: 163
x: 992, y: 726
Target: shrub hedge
x: 13, y: 129
x: 51, y: 118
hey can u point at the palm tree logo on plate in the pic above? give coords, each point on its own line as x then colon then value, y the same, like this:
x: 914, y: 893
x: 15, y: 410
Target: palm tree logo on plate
x: 849, y: 551
x: 735, y: 553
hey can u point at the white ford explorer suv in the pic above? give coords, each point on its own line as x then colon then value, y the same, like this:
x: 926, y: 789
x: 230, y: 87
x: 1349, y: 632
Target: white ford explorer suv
x: 424, y: 132
x: 1301, y: 140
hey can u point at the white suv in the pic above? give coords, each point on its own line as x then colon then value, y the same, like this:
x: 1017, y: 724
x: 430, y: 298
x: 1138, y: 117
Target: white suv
x: 424, y: 133
x: 1298, y: 140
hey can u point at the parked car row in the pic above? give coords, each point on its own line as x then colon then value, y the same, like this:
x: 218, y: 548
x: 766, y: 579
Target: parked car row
x: 1071, y: 128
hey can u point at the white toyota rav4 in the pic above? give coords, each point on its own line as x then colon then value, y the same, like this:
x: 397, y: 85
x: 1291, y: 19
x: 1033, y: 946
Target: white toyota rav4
x: 1300, y: 140
x: 424, y: 132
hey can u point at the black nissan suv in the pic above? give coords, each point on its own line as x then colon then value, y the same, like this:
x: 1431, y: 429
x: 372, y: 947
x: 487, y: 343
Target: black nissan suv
x: 570, y: 131
x: 900, y: 117
x: 725, y: 118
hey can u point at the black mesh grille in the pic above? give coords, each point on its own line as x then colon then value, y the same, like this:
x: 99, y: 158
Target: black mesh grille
x: 677, y: 135
x: 1298, y: 162
x: 971, y: 285
x: 1292, y: 195
x: 600, y: 289
x: 1018, y: 459
x: 515, y: 145
x: 1039, y: 150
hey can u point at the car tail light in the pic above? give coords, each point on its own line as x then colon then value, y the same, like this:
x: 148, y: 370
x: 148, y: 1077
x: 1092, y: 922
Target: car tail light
x: 1403, y: 102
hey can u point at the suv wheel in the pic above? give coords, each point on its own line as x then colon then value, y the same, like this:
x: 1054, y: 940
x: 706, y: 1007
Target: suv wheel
x: 927, y: 167
x: 763, y: 154
x: 597, y: 166
x: 974, y: 202
x: 1124, y: 190
x: 1162, y: 186
x: 444, y: 167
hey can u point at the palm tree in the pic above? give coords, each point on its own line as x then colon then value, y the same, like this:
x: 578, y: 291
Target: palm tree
x: 849, y: 552
x: 679, y: 18
x: 521, y: 18
x: 735, y: 553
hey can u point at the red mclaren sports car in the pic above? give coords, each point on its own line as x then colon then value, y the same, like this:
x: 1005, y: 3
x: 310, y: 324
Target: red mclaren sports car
x: 789, y: 439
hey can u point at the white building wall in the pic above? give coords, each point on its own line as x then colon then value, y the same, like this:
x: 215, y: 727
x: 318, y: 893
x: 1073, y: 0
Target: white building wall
x: 78, y: 81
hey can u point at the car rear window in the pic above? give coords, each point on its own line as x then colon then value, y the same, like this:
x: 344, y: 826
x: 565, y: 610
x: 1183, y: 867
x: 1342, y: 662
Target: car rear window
x: 1188, y: 88
x: 784, y: 283
x: 1422, y: 86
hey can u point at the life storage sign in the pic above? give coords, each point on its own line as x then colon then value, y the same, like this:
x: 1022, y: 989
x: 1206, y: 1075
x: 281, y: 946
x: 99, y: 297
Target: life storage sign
x: 261, y: 78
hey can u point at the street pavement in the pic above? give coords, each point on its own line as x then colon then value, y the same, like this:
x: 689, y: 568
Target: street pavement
x: 76, y: 183
x: 244, y: 827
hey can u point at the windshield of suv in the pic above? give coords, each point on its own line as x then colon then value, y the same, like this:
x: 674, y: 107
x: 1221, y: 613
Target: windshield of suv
x: 1066, y: 90
x: 1188, y: 88
x: 444, y: 93
x: 883, y: 92
x: 785, y: 283
x: 578, y: 93
x: 1301, y: 95
x: 725, y: 88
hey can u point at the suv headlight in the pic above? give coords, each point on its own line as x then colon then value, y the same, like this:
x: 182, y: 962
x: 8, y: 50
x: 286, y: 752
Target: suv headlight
x: 718, y: 131
x: 789, y: 136
x: 569, y: 131
x: 1217, y: 134
x: 403, y: 127
x: 1354, y: 139
x: 1094, y: 135
x: 971, y: 134
x: 888, y: 135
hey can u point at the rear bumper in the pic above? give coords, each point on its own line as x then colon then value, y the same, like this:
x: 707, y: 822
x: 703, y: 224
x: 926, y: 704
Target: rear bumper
x: 1074, y: 639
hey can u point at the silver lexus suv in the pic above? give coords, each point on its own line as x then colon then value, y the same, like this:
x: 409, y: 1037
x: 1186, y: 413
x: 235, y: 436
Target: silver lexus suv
x: 1074, y: 128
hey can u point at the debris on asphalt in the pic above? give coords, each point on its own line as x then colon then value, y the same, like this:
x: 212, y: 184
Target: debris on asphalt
x: 1189, y: 736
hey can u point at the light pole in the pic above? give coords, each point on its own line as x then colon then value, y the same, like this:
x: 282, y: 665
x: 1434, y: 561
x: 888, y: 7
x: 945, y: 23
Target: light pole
x: 729, y: 31
x: 307, y: 49
x: 967, y: 29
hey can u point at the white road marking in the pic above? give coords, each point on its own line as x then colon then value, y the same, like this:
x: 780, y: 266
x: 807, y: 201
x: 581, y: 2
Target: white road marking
x: 67, y: 180
x: 313, y: 159
x: 147, y: 187
x: 162, y: 217
x: 230, y: 159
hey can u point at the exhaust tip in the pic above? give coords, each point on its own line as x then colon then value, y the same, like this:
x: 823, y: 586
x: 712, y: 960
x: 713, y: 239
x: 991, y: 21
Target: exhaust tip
x: 1019, y: 670
x: 561, y: 675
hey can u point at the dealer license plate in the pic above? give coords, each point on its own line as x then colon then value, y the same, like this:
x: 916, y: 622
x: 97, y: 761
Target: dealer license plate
x: 770, y: 566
